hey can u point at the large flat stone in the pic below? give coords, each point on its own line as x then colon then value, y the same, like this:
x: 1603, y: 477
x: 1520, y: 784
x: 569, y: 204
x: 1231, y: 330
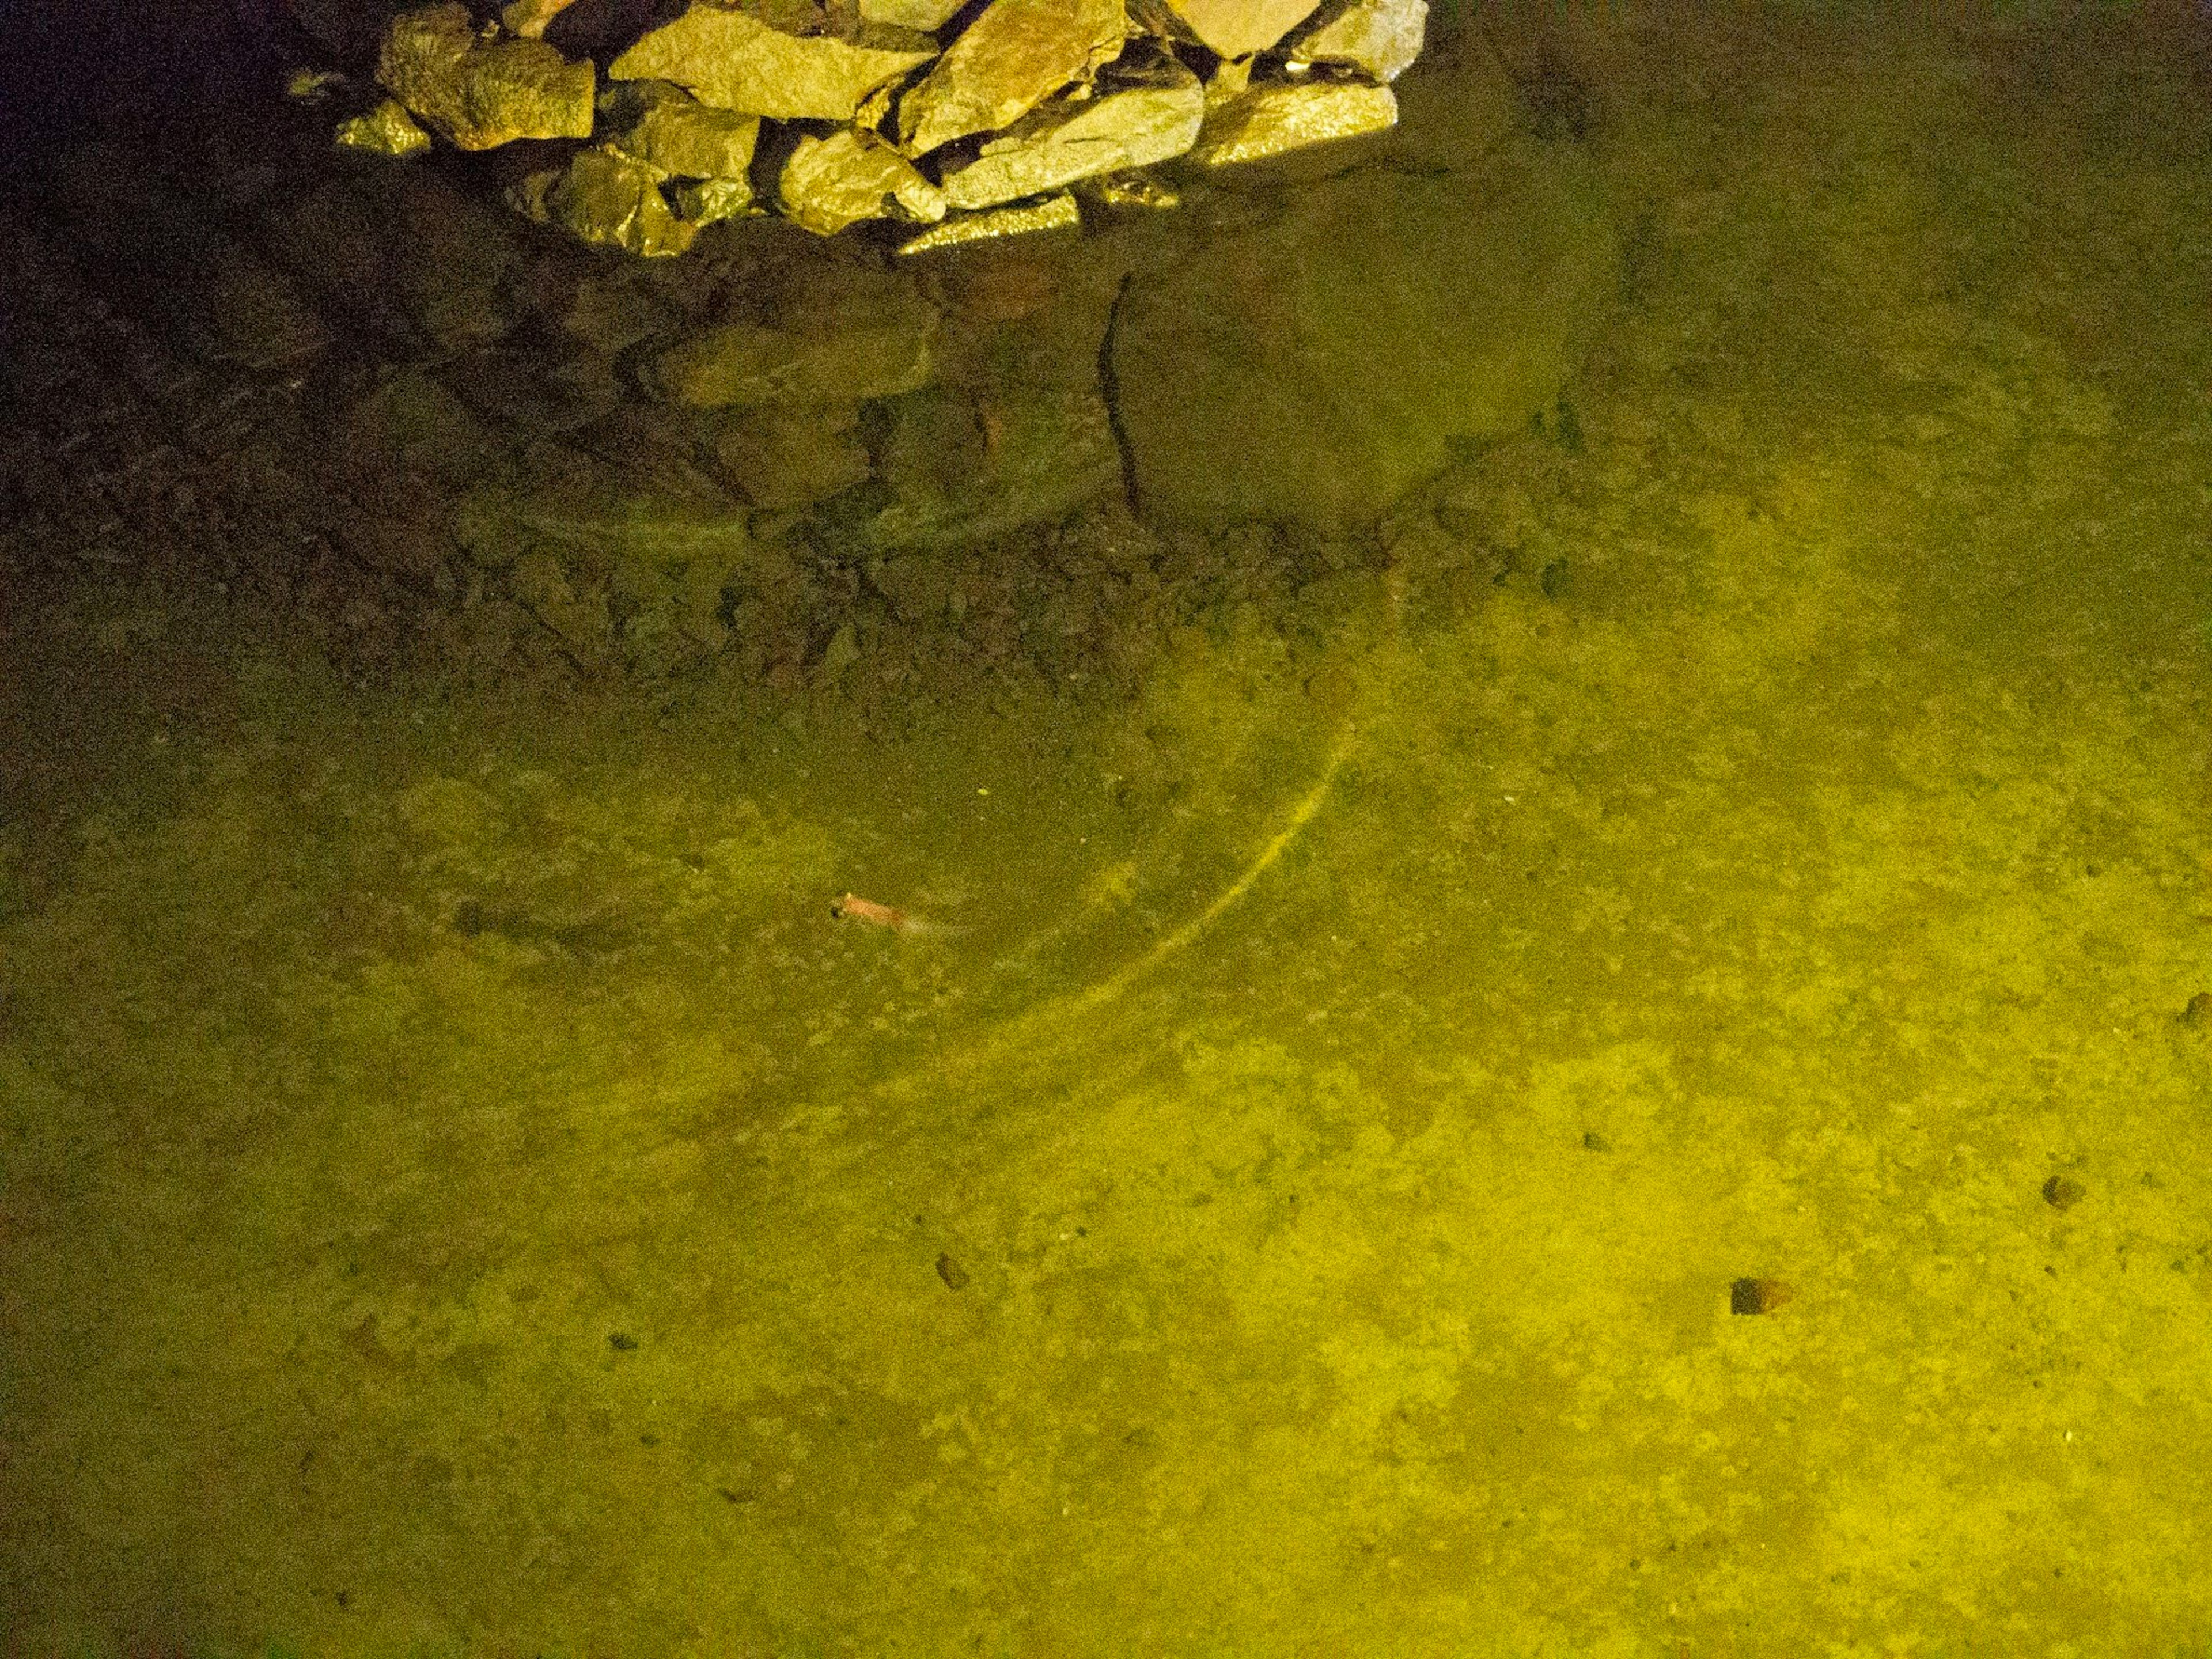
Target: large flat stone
x: 1314, y: 370
x: 737, y: 59
x: 854, y: 334
x: 1013, y: 56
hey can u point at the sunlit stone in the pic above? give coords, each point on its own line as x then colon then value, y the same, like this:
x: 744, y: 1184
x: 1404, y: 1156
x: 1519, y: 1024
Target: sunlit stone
x: 613, y: 200
x: 480, y: 93
x: 1267, y: 120
x: 739, y: 59
x: 830, y: 183
x: 1016, y: 54
x: 686, y: 140
x: 1056, y: 213
x: 1074, y: 138
x: 1378, y: 37
x: 1234, y: 28
x: 387, y: 129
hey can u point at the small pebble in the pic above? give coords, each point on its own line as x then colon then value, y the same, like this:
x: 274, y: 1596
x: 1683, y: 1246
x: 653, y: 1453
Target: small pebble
x: 2060, y: 1193
x: 954, y: 1275
x: 2198, y: 1016
x: 1758, y: 1296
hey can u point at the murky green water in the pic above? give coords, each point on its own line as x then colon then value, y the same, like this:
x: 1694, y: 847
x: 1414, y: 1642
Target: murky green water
x: 464, y: 1193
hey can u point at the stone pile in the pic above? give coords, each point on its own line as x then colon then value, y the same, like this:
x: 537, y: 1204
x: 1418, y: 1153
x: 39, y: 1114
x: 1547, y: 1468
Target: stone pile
x: 955, y: 121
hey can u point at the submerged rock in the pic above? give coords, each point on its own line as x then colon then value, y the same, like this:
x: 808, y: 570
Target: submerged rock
x: 960, y: 467
x: 739, y: 57
x: 1313, y: 370
x: 854, y: 334
x: 794, y: 456
x: 1015, y: 54
x: 478, y: 93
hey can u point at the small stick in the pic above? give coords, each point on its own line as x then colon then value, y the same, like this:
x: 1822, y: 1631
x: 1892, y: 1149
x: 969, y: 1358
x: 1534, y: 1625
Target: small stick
x: 853, y: 907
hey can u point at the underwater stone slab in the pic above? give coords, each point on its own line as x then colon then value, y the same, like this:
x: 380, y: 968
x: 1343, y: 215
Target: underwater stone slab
x: 1233, y: 28
x: 964, y: 468
x: 827, y: 184
x: 1379, y: 38
x: 1312, y: 371
x: 1075, y: 138
x: 1015, y: 54
x: 482, y: 94
x: 873, y: 338
x: 793, y: 455
x: 1282, y: 116
x: 739, y: 59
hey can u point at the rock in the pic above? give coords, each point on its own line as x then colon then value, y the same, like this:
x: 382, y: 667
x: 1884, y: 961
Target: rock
x: 610, y: 310
x: 1454, y: 113
x: 708, y: 201
x: 853, y: 333
x: 387, y: 129
x: 827, y: 184
x: 1232, y: 28
x: 409, y: 433
x: 1268, y: 119
x: 962, y: 468
x: 737, y: 59
x: 1148, y: 117
x: 1028, y: 311
x: 688, y: 140
x: 453, y: 261
x: 610, y: 198
x: 528, y: 18
x: 615, y: 490
x: 331, y: 242
x: 1013, y: 56
x: 1312, y: 370
x: 1380, y: 39
x: 242, y: 311
x: 794, y: 456
x: 407, y: 549
x: 482, y: 94
x: 909, y: 14
x: 1055, y: 213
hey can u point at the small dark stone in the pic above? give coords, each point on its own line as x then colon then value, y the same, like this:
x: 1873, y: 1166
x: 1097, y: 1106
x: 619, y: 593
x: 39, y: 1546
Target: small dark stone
x: 2060, y: 1193
x: 2198, y: 1016
x: 954, y: 1275
x: 622, y: 1342
x: 1758, y: 1296
x: 1595, y: 1142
